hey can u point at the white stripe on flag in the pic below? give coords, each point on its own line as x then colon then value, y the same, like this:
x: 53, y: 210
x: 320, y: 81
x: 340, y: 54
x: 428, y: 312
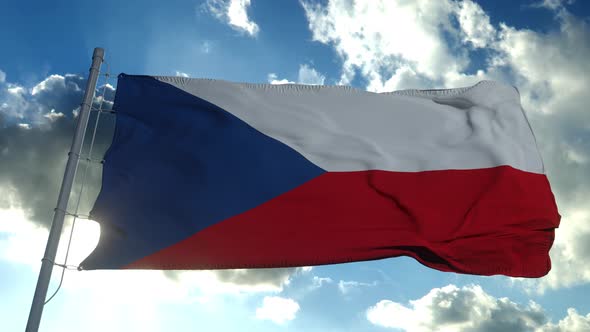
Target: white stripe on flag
x: 346, y: 129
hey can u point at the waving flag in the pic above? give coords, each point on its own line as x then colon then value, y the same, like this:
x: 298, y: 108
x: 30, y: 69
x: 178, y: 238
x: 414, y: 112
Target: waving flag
x: 208, y: 174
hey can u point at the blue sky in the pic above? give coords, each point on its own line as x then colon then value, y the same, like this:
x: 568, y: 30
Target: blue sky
x: 539, y: 46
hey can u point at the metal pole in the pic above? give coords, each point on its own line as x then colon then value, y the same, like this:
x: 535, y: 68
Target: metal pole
x: 64, y: 195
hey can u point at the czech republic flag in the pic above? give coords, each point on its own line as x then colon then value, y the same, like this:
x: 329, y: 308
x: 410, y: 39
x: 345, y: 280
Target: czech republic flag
x: 209, y: 174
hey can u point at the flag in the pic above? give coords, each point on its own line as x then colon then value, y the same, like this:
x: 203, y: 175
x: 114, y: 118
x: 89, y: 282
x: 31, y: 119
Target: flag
x: 210, y: 174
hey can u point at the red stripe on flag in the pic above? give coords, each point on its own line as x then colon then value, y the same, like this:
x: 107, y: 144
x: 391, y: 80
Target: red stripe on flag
x: 484, y: 221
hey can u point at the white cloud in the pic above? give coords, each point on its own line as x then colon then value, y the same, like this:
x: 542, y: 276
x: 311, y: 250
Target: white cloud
x: 318, y: 282
x: 53, y: 115
x: 206, y: 47
x: 376, y: 37
x: 181, y: 74
x: 16, y: 90
x: 126, y: 300
x: 573, y: 322
x: 57, y: 92
x: 23, y: 241
x: 108, y: 87
x: 551, y: 69
x: 346, y: 287
x: 239, y: 281
x: 306, y: 75
x: 469, y: 308
x: 234, y: 13
x: 475, y: 24
x: 2, y: 76
x: 215, y: 282
x: 570, y: 255
x: 14, y: 102
x: 575, y: 156
x: 277, y: 309
x: 273, y: 79
x: 552, y: 4
x: 431, y: 50
x: 257, y: 280
x: 33, y: 159
x: 48, y: 84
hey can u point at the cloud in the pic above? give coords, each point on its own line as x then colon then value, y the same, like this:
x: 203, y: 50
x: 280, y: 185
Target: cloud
x: 2, y: 76
x: 59, y: 93
x: 528, y: 53
x: 550, y: 70
x: 375, y: 38
x: 22, y: 241
x: 308, y: 75
x: 53, y: 115
x: 56, y: 93
x: 278, y: 276
x: 277, y: 309
x: 234, y: 13
x: 32, y: 163
x: 13, y: 104
x: 126, y: 300
x: 236, y: 281
x: 206, y: 47
x: 273, y: 79
x: 36, y: 130
x: 570, y: 255
x: 552, y: 4
x: 305, y: 75
x: 345, y: 287
x: 475, y: 25
x: 318, y: 282
x: 572, y: 322
x: 471, y: 309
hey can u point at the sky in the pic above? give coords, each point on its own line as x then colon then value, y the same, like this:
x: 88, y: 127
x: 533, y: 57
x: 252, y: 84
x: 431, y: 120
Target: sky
x: 540, y: 47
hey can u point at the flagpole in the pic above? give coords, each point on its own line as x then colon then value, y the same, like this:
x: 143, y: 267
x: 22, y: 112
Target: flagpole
x: 64, y: 195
